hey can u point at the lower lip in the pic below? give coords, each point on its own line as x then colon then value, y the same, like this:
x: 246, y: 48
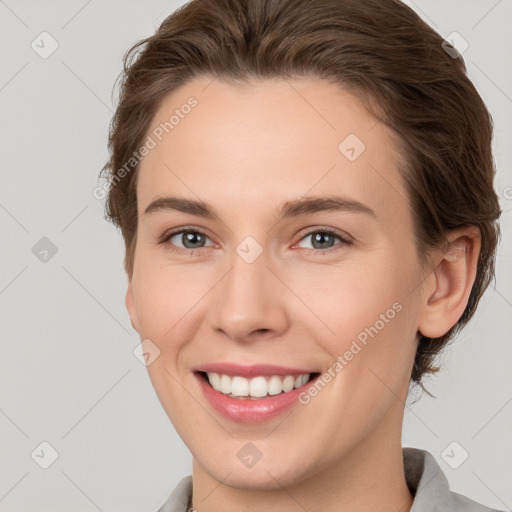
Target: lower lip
x: 250, y: 411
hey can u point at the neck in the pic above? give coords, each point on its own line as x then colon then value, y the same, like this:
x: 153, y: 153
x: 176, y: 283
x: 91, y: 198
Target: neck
x: 370, y: 477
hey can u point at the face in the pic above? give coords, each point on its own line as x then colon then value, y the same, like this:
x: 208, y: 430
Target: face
x: 276, y: 285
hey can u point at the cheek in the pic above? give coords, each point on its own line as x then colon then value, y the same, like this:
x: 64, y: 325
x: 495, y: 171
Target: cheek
x: 351, y: 297
x: 165, y: 294
x: 366, y: 310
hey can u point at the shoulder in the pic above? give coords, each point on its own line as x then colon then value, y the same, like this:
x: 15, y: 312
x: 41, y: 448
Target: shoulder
x: 465, y: 504
x: 180, y: 498
x: 430, y: 487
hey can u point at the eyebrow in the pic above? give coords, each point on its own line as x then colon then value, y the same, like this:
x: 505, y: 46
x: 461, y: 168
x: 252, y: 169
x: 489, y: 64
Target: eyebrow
x: 289, y: 209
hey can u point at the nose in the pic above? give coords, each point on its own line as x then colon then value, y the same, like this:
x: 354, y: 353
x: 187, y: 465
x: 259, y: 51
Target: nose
x: 250, y: 302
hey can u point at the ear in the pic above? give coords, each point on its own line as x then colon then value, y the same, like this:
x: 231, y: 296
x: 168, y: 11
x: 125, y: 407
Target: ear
x: 130, y: 306
x: 449, y: 286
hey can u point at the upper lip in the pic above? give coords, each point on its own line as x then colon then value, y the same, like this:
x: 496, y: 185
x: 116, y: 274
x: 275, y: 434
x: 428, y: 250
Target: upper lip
x: 253, y: 370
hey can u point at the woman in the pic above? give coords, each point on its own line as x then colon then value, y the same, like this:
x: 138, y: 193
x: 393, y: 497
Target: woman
x: 305, y: 191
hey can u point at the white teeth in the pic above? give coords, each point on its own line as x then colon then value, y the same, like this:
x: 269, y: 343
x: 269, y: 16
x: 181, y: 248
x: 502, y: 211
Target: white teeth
x: 214, y: 380
x: 239, y: 386
x: 288, y: 383
x: 225, y: 384
x: 256, y: 387
x: 274, y: 386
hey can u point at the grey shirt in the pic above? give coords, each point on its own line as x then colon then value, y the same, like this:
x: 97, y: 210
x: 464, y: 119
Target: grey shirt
x: 424, y: 477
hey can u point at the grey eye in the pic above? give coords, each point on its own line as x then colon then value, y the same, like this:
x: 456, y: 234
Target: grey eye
x: 322, y: 239
x: 190, y: 239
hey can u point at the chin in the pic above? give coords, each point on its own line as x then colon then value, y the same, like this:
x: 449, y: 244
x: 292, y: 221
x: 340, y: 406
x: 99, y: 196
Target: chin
x: 260, y: 478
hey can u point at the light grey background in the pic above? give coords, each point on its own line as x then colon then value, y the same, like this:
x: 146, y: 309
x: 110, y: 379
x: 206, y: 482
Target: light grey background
x: 68, y: 373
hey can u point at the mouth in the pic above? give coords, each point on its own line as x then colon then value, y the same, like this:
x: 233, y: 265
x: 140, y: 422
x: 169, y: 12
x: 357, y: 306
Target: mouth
x: 255, y: 388
x: 252, y: 393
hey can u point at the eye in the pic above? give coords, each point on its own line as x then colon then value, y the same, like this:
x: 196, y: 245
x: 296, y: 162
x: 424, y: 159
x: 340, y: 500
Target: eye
x: 322, y: 240
x: 193, y: 239
x: 190, y: 238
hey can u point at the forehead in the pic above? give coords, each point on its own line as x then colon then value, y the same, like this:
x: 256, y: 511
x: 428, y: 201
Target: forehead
x: 255, y: 145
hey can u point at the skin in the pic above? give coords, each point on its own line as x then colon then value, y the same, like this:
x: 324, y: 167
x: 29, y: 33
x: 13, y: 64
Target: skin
x: 246, y: 150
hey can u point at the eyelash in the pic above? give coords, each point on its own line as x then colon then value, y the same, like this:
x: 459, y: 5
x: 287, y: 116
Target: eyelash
x: 173, y: 248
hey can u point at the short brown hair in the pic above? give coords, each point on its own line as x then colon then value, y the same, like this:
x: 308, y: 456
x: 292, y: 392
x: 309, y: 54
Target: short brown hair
x: 380, y: 50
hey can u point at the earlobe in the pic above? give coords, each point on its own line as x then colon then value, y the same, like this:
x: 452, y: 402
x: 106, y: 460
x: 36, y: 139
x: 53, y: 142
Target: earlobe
x: 130, y: 306
x: 453, y: 276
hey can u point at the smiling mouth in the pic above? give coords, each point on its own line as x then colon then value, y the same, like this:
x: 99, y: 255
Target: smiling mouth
x: 255, y: 388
